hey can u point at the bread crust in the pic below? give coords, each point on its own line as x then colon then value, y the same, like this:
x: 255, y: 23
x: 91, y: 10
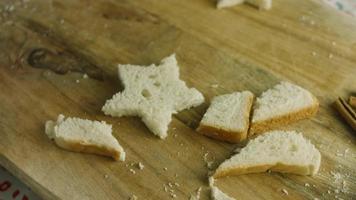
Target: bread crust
x: 220, y: 134
x: 272, y: 123
x: 278, y: 167
x: 228, y: 135
x: 80, y: 146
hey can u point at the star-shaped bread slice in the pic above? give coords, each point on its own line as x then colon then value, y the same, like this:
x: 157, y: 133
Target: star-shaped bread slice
x: 153, y: 93
x: 261, y: 4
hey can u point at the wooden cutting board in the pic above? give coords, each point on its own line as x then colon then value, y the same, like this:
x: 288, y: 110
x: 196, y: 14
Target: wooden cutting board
x: 47, y: 46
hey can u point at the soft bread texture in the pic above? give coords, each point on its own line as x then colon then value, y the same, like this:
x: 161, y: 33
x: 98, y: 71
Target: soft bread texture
x: 82, y: 135
x: 280, y: 151
x: 283, y: 104
x: 261, y: 4
x: 153, y: 93
x: 227, y: 118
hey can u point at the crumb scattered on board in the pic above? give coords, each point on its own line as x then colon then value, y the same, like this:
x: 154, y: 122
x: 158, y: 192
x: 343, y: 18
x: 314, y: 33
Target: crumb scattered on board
x: 140, y: 166
x: 214, y: 86
x: 285, y: 191
x: 170, y: 189
x: 209, y: 162
x: 133, y: 197
x: 196, y: 196
x: 132, y: 171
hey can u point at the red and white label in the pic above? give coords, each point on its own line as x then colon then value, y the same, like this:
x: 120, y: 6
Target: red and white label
x: 13, y: 189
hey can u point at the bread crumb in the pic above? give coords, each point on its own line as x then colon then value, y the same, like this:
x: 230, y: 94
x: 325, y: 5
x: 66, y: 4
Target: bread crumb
x: 314, y: 53
x: 133, y: 197
x: 173, y: 195
x: 10, y: 8
x: 132, y: 171
x: 165, y: 168
x: 285, y: 191
x: 77, y: 81
x: 165, y: 188
x: 331, y: 56
x: 306, y: 185
x: 333, y: 43
x: 175, y: 135
x: 176, y: 184
x: 140, y: 166
x: 85, y: 76
x: 214, y: 86
x: 197, y: 194
x: 106, y: 176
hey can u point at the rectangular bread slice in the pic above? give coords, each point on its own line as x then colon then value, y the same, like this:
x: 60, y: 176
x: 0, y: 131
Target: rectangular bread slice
x: 227, y: 118
x: 280, y: 151
x: 82, y: 135
x: 283, y: 104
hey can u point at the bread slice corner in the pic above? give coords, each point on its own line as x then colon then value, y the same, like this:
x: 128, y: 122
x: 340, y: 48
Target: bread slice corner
x: 81, y: 135
x: 227, y: 118
x: 283, y: 104
x: 280, y: 151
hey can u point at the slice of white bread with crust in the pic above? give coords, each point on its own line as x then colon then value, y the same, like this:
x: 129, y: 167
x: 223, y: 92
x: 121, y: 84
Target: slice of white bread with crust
x: 261, y: 4
x: 82, y: 135
x: 227, y: 118
x: 280, y: 151
x: 153, y: 93
x: 283, y: 104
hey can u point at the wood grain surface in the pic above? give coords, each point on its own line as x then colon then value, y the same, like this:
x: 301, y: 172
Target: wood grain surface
x: 46, y: 46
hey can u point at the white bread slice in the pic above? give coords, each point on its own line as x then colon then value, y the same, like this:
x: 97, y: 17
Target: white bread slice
x: 283, y: 104
x: 261, y: 4
x: 227, y: 118
x: 281, y: 151
x: 82, y: 135
x: 153, y: 93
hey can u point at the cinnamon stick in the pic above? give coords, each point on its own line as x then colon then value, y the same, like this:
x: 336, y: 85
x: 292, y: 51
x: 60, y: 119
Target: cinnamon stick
x: 352, y: 101
x: 346, y: 112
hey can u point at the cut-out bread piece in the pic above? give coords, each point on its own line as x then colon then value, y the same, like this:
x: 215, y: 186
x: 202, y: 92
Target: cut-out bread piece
x: 82, y: 135
x: 227, y: 118
x: 261, y: 4
x: 283, y: 104
x: 280, y: 151
x: 153, y: 93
